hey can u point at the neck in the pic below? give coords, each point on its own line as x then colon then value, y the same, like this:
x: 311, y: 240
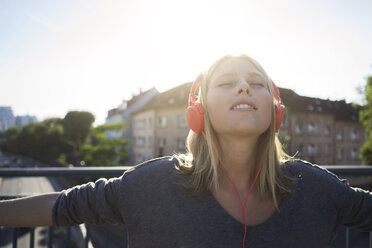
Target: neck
x: 238, y: 159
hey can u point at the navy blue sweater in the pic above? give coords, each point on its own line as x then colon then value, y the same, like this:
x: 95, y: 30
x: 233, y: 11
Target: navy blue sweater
x: 158, y: 212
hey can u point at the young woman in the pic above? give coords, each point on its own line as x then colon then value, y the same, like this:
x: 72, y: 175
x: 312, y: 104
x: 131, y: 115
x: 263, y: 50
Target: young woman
x: 234, y: 188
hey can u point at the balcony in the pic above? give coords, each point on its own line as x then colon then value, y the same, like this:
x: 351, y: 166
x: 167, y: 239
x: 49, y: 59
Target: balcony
x: 346, y: 238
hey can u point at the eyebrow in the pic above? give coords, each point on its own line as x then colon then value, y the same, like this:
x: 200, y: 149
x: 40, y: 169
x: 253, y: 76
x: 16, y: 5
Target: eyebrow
x: 235, y: 74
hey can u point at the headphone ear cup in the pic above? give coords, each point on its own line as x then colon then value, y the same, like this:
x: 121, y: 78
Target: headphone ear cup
x: 195, y: 117
x: 279, y: 109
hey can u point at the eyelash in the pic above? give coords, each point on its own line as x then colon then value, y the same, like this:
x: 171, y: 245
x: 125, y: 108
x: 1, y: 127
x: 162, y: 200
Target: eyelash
x: 257, y: 84
x: 225, y: 84
x: 252, y: 84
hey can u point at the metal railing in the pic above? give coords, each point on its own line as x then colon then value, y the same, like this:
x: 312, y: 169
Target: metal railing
x: 344, y: 170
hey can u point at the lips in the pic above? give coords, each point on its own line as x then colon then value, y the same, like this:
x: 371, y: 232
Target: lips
x: 243, y: 105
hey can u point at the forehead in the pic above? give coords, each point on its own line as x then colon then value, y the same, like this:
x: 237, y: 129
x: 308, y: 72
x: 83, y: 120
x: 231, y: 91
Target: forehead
x: 237, y: 67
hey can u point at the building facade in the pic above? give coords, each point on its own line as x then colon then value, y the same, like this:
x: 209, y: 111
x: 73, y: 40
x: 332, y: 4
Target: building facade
x: 7, y: 119
x: 320, y: 131
x: 160, y: 128
x: 23, y: 120
x: 124, y: 113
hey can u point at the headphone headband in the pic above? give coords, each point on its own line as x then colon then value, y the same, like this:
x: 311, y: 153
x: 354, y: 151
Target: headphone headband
x: 276, y: 92
x: 194, y: 87
x: 279, y: 107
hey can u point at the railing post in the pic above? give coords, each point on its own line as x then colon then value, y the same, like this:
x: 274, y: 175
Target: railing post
x: 50, y: 237
x: 15, y: 237
x: 87, y: 237
x: 347, y: 237
x: 106, y: 235
x: 125, y: 234
x: 68, y: 237
x: 32, y: 237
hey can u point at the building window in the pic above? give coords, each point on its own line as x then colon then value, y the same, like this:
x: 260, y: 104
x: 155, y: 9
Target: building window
x: 354, y: 135
x: 181, y: 121
x: 160, y: 151
x: 182, y: 94
x: 340, y: 135
x: 150, y: 122
x: 149, y: 143
x: 310, y: 107
x: 327, y: 130
x: 311, y: 128
x: 181, y: 143
x: 162, y: 121
x: 139, y: 158
x: 140, y: 124
x: 311, y: 150
x: 354, y: 154
x: 299, y: 128
x: 161, y: 142
x: 300, y: 149
x: 140, y: 141
x: 328, y: 149
x: 340, y: 154
x: 284, y: 121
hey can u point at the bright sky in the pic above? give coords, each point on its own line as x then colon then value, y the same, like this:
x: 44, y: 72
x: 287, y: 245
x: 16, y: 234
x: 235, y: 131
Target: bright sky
x: 57, y: 56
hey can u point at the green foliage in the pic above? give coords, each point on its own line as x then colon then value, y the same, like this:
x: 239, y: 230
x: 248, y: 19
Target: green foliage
x: 43, y: 140
x: 11, y: 136
x: 102, y: 151
x: 365, y: 117
x: 77, y: 125
x: 68, y: 140
x: 366, y: 152
x: 285, y: 142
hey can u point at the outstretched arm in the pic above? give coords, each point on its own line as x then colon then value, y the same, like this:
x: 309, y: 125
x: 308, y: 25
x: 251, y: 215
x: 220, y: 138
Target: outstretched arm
x: 28, y: 211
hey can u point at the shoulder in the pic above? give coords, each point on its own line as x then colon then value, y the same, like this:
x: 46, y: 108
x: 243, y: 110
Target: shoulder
x: 311, y: 173
x: 152, y: 169
x: 317, y: 185
x: 148, y: 181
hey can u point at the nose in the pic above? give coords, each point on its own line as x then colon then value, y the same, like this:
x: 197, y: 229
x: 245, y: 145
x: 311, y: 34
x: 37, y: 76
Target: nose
x: 243, y: 88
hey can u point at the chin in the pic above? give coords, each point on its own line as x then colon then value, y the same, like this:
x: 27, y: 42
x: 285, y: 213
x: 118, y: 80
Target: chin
x: 246, y: 132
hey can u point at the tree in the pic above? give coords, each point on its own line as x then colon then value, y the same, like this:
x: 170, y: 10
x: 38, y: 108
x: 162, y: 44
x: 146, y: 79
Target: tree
x: 102, y: 151
x: 10, y: 139
x: 72, y: 137
x: 365, y: 117
x: 77, y: 125
x: 44, y: 140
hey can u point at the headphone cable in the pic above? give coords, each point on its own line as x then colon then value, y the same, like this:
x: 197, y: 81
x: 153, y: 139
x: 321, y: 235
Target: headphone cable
x: 240, y: 200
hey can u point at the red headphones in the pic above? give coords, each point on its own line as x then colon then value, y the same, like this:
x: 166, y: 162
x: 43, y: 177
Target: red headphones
x: 195, y: 111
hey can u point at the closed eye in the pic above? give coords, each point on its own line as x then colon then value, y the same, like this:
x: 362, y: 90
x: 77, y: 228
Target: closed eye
x: 225, y: 84
x: 257, y: 84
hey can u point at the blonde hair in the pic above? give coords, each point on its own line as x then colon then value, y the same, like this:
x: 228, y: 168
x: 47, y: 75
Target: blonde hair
x: 200, y: 163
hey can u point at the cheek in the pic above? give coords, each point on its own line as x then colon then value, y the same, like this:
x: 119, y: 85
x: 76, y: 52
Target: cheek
x: 268, y: 115
x: 267, y: 112
x: 214, y: 109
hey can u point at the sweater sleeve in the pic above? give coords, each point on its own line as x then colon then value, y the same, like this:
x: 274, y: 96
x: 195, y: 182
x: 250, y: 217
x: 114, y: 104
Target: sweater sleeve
x: 353, y: 205
x: 356, y: 211
x: 94, y: 203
